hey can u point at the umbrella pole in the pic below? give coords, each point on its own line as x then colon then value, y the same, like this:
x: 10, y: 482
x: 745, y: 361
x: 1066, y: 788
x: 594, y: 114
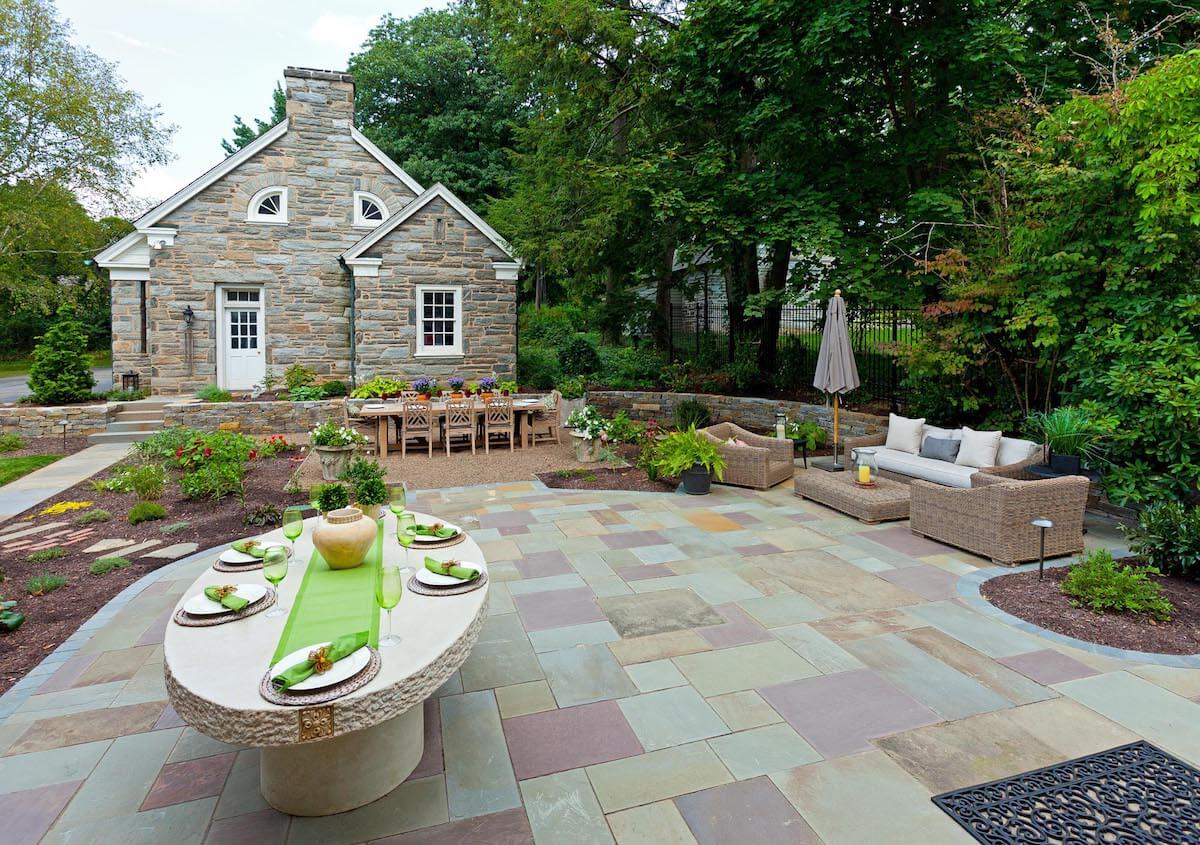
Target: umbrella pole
x: 836, y: 459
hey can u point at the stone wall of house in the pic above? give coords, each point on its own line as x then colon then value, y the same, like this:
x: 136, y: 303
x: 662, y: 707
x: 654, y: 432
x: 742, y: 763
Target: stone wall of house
x: 749, y: 412
x: 255, y: 417
x: 436, y: 246
x: 36, y: 421
x: 305, y: 289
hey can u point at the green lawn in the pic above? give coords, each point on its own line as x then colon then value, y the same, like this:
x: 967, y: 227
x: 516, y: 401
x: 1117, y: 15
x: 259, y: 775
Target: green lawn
x: 18, y: 365
x: 13, y: 468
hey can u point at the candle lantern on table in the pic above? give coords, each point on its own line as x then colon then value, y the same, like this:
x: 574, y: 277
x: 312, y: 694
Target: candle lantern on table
x: 866, y: 469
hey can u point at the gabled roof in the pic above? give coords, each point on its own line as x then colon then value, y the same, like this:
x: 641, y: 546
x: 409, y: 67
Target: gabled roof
x: 380, y: 156
x: 437, y: 191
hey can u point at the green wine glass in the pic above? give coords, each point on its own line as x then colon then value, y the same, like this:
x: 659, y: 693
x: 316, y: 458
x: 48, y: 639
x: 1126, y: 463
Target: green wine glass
x: 275, y: 569
x: 389, y: 587
x: 293, y: 526
x: 406, y: 532
x: 397, y: 497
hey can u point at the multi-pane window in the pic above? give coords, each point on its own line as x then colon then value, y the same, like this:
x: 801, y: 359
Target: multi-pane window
x: 439, y: 328
x: 369, y: 209
x: 268, y: 206
x: 243, y: 321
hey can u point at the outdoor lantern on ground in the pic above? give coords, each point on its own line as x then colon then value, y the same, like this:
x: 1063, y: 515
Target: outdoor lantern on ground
x: 63, y: 425
x: 1042, y: 523
x: 781, y: 425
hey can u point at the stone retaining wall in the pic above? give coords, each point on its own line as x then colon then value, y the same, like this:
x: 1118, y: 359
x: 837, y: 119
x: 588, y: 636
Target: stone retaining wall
x: 255, y: 417
x: 748, y: 412
x: 38, y: 421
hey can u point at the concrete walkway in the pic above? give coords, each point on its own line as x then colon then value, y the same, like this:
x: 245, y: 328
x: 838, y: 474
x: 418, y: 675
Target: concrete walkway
x: 48, y: 481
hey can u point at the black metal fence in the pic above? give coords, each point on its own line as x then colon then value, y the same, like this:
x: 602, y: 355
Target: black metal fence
x: 700, y: 332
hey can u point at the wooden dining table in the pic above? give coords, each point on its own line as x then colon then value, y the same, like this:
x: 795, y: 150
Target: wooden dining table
x: 523, y: 408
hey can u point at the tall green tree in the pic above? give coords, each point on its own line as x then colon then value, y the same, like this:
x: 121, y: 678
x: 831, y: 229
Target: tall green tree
x: 60, y: 371
x: 244, y: 133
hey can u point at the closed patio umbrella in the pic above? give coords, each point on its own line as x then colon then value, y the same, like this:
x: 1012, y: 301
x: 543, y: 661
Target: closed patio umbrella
x: 836, y: 371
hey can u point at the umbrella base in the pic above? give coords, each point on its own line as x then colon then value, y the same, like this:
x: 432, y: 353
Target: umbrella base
x: 827, y: 464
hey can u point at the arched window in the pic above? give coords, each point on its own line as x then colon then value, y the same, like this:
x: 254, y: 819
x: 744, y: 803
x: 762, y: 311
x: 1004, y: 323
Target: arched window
x: 369, y: 210
x: 268, y: 206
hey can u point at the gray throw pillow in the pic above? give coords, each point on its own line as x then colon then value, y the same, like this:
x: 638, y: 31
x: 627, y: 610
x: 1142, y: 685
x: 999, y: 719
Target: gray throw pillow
x: 940, y: 449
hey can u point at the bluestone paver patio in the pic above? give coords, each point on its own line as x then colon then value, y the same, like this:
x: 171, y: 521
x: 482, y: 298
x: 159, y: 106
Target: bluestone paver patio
x: 656, y: 668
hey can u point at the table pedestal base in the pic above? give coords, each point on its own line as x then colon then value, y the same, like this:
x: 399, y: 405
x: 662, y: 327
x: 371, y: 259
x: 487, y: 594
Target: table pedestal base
x: 348, y: 771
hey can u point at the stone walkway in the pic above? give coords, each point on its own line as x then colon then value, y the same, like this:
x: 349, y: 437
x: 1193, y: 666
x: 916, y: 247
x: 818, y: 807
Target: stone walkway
x: 656, y: 668
x: 48, y: 481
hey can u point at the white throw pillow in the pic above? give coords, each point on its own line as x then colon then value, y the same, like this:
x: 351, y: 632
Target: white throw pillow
x: 1013, y: 451
x: 904, y: 434
x: 979, y: 448
x: 941, y: 433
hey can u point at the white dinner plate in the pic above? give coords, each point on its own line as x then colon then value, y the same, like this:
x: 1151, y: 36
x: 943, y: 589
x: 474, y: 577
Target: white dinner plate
x: 375, y: 407
x: 430, y: 538
x: 202, y: 605
x: 433, y: 579
x: 343, y: 670
x: 234, y: 557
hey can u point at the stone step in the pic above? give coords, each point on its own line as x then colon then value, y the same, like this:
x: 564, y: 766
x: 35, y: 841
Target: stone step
x: 118, y: 436
x: 134, y: 425
x: 145, y: 416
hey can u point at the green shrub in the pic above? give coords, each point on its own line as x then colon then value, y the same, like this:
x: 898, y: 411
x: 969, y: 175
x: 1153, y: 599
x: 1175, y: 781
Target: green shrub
x: 744, y: 369
x: 621, y: 429
x: 334, y: 388
x: 45, y: 583
x: 215, y: 447
x: 1097, y: 582
x: 212, y: 393
x: 572, y: 387
x: 92, y: 516
x: 61, y: 370
x: 174, y: 527
x: 147, y: 481
x: 691, y: 413
x: 681, y: 450
x: 165, y: 445
x: 379, y: 387
x: 306, y: 393
x: 274, y: 445
x: 11, y: 441
x: 105, y: 565
x: 46, y: 555
x: 1072, y: 430
x: 10, y: 617
x: 578, y: 357
x: 263, y: 516
x: 807, y: 433
x: 1167, y: 537
x: 549, y: 326
x: 330, y: 497
x: 538, y: 367
x: 362, y: 469
x: 626, y: 368
x: 126, y: 395
x: 214, y: 480
x: 371, y: 491
x: 298, y: 375
x: 146, y: 512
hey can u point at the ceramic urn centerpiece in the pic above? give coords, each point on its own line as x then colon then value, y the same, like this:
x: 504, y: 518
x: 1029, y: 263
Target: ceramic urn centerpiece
x: 344, y: 537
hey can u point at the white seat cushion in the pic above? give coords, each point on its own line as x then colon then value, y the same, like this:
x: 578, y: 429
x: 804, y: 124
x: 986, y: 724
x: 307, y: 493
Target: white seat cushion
x: 1014, y: 450
x: 904, y: 434
x: 978, y: 448
x: 927, y: 469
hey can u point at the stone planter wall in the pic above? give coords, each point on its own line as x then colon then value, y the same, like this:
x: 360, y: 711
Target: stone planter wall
x: 38, y: 421
x: 255, y: 417
x: 749, y: 412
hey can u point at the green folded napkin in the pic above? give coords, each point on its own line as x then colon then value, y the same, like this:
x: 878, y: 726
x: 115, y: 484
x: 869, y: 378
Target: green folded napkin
x: 442, y: 532
x: 451, y: 568
x: 256, y: 548
x: 226, y: 598
x: 326, y: 656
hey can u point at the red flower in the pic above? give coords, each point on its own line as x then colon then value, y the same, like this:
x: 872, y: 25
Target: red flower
x: 179, y: 452
x: 253, y: 454
x: 208, y: 453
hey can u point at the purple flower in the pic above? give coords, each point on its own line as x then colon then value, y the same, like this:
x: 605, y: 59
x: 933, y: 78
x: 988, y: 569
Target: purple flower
x: 455, y: 383
x: 487, y: 384
x: 423, y: 385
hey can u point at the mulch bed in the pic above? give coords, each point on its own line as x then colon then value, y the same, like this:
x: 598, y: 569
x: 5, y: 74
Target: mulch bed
x: 1044, y: 603
x: 48, y: 446
x: 51, y: 618
x: 602, y: 478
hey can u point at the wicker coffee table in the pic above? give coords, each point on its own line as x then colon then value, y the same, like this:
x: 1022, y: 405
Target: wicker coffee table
x: 885, y: 501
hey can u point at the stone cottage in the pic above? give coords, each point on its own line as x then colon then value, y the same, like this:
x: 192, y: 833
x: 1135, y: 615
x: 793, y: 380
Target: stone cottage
x: 310, y: 245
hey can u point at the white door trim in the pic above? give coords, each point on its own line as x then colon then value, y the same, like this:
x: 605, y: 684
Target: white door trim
x: 223, y: 379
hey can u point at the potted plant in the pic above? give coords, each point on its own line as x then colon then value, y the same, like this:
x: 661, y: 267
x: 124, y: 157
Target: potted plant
x: 590, y: 431
x: 370, y: 492
x: 572, y: 389
x: 456, y: 387
x: 425, y: 386
x: 335, y: 445
x: 487, y: 387
x: 472, y: 388
x: 330, y: 497
x: 1072, y: 435
x: 692, y: 458
x: 806, y: 436
x: 507, y: 388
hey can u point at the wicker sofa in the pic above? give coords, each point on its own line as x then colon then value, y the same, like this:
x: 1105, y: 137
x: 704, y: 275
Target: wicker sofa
x: 991, y: 518
x: 762, y: 463
x: 968, y: 474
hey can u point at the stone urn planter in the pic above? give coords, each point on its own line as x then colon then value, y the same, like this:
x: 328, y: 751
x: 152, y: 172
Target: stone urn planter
x: 334, y: 460
x: 697, y: 481
x: 344, y: 537
x: 586, y: 451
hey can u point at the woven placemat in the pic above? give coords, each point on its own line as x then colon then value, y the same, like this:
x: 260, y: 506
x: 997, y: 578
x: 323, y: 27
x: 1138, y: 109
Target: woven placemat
x: 420, y: 589
x: 320, y: 696
x: 189, y: 621
x: 222, y: 566
x: 441, y: 544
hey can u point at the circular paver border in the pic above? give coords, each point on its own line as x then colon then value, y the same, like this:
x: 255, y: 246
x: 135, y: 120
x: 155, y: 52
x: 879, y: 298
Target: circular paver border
x: 969, y: 591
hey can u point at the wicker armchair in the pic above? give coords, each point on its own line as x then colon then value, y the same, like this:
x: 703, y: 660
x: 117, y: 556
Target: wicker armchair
x: 992, y: 517
x: 1016, y: 471
x: 767, y: 461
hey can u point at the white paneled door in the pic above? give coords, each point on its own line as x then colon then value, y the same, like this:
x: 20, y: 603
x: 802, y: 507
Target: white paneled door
x: 242, y: 338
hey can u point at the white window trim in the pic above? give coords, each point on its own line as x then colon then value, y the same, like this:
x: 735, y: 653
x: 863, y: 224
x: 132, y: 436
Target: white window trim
x: 359, y: 220
x: 424, y: 351
x: 252, y: 215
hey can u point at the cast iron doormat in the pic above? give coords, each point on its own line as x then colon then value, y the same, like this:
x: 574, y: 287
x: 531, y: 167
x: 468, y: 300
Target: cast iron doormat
x: 1132, y: 794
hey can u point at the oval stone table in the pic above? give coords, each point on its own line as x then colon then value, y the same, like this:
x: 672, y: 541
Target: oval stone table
x: 332, y: 757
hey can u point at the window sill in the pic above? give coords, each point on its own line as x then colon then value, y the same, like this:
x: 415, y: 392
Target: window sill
x: 439, y: 355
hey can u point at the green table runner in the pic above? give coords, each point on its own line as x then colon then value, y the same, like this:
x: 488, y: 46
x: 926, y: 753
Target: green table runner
x: 332, y: 602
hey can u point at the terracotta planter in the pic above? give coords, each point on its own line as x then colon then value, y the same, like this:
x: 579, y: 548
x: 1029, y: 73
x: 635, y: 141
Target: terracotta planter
x: 486, y: 396
x: 344, y: 537
x: 457, y: 395
x: 424, y: 397
x: 334, y: 460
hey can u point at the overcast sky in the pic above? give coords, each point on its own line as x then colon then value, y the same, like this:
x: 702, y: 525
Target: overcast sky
x: 203, y: 61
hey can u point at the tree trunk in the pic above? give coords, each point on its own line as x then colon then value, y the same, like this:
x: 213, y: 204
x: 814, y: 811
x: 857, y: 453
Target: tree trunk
x: 741, y: 280
x: 776, y: 280
x: 662, y: 295
x: 539, y: 287
x: 612, y: 324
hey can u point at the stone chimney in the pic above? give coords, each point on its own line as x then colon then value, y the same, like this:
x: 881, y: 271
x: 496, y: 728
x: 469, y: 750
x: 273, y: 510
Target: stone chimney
x: 319, y: 99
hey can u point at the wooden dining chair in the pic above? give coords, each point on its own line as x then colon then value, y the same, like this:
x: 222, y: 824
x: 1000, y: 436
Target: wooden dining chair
x: 547, y: 422
x: 498, y: 419
x: 460, y: 422
x: 405, y: 396
x: 417, y: 422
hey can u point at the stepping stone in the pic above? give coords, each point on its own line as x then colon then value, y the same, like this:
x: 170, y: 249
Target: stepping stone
x: 108, y: 545
x: 140, y: 547
x: 174, y: 527
x: 172, y: 552
x: 25, y: 532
